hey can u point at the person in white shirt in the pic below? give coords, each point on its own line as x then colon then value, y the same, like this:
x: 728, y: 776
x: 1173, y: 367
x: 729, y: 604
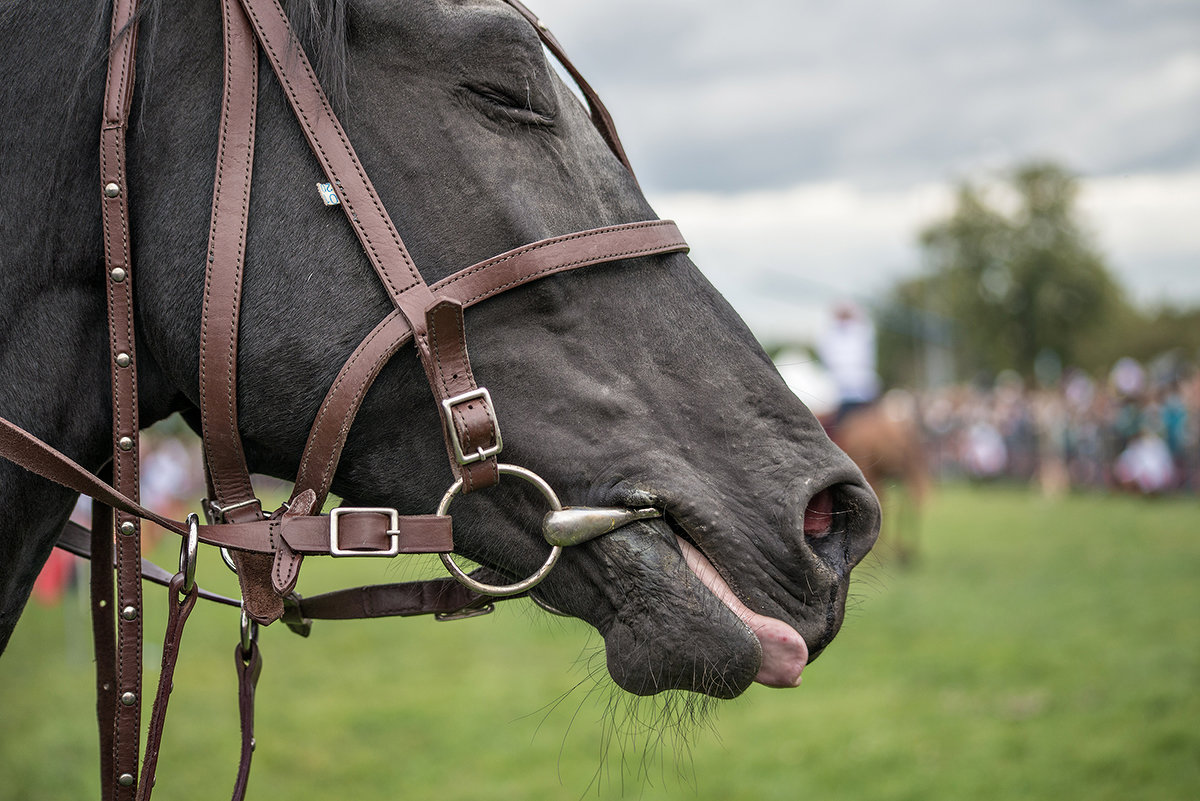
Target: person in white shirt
x: 847, y: 349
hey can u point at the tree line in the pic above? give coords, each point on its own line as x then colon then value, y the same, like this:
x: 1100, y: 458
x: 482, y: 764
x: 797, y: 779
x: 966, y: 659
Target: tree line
x: 1012, y: 280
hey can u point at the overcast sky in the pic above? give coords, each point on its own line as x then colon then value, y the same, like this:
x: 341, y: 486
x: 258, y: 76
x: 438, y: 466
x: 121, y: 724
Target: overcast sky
x: 801, y: 145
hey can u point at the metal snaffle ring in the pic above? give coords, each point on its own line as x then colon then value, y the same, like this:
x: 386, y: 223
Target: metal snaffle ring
x: 500, y: 590
x: 187, y: 553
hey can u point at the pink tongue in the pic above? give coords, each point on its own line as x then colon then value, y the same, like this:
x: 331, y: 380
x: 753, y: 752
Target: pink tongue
x: 784, y: 650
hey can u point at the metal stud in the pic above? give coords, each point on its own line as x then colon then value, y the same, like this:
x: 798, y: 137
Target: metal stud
x: 128, y: 699
x: 125, y: 443
x: 117, y: 275
x: 123, y: 360
x: 125, y: 780
x: 129, y: 613
x: 128, y: 528
x: 112, y: 190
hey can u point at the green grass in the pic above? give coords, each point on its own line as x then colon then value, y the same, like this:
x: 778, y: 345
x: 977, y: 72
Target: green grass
x: 1037, y: 649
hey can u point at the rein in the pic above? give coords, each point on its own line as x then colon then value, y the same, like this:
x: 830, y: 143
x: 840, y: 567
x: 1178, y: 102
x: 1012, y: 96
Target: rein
x: 267, y: 550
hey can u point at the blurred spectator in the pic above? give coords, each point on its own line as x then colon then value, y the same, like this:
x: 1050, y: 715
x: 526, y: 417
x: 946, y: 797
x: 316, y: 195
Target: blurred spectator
x: 1139, y: 430
x: 847, y: 349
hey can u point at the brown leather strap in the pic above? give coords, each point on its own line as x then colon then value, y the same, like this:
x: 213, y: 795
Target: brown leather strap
x: 559, y: 254
x: 428, y: 596
x: 472, y: 432
x: 470, y: 286
x: 230, y: 492
x: 249, y: 667
x: 179, y: 606
x: 103, y: 638
x: 21, y: 447
x: 444, y: 595
x: 223, y: 452
x: 125, y: 714
x: 364, y: 531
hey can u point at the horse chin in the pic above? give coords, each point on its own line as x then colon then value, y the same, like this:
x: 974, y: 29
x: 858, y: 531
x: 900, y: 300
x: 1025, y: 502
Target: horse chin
x: 668, y: 631
x: 677, y: 624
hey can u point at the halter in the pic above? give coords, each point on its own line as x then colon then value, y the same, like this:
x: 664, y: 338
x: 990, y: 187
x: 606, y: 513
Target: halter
x: 267, y: 550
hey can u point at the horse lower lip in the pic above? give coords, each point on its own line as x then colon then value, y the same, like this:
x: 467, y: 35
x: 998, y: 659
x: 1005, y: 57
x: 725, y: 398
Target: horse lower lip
x: 784, y: 652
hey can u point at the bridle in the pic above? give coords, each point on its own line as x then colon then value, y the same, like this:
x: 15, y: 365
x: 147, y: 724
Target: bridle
x: 267, y: 549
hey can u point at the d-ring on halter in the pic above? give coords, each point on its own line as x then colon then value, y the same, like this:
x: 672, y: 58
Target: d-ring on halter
x: 188, y: 548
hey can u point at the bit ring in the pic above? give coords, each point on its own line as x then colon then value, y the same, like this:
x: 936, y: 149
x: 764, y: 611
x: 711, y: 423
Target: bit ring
x: 501, y: 590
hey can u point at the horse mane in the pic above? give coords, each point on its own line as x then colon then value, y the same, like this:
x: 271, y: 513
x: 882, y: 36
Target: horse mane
x: 320, y: 25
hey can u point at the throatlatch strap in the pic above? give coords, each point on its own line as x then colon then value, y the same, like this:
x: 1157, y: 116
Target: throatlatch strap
x: 231, y: 495
x: 225, y: 263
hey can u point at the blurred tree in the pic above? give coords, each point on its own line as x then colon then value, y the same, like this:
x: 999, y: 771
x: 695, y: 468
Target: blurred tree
x: 1005, y: 286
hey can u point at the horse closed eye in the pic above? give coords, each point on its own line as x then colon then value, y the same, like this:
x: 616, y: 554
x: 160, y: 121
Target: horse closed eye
x: 502, y: 104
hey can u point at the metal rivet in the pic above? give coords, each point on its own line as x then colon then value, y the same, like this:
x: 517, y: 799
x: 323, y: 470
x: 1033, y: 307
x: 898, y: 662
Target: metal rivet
x: 117, y: 274
x: 125, y: 780
x: 125, y: 443
x: 112, y: 190
x: 253, y: 745
x: 128, y: 529
x: 128, y: 699
x: 123, y: 360
x: 129, y: 613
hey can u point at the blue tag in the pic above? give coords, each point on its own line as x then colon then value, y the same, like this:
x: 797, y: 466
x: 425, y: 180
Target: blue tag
x: 328, y: 196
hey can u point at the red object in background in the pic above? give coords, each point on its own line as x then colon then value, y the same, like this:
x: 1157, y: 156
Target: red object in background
x: 56, y: 576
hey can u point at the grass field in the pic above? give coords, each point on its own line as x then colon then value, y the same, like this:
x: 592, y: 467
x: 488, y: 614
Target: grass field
x: 1039, y: 649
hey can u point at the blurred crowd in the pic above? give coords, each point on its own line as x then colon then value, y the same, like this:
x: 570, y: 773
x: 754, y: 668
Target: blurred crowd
x: 1137, y: 429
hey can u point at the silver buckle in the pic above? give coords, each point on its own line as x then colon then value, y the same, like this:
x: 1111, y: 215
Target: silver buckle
x: 480, y: 453
x: 216, y: 514
x: 335, y: 548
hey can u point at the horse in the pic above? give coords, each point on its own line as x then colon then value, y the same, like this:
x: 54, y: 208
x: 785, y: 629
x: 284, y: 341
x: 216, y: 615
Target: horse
x: 630, y: 384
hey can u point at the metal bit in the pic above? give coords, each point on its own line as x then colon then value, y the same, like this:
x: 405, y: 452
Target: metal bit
x: 576, y: 524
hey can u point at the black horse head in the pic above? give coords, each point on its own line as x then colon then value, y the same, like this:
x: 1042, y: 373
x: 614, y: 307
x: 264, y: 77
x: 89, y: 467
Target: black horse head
x: 629, y: 384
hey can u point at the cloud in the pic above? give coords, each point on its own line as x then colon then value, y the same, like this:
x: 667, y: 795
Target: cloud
x: 772, y: 93
x: 802, y: 144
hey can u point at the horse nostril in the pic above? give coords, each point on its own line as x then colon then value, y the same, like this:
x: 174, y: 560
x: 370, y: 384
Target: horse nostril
x: 818, y: 515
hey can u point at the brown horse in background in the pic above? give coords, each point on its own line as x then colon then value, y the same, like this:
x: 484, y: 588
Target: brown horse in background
x: 884, y: 439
